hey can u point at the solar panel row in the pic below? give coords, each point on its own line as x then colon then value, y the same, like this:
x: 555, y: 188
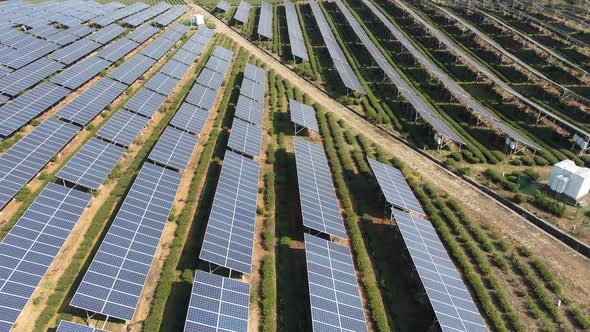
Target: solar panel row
x: 75, y: 51
x: 171, y: 15
x: 142, y: 33
x: 303, y: 115
x: 13, y: 83
x: 243, y: 12
x: 82, y: 72
x: 114, y: 281
x: 145, y: 102
x: 174, y: 148
x: 107, y: 34
x: 298, y: 48
x: 122, y: 128
x: 30, y: 247
x: 118, y: 49
x: 133, y: 68
x: 250, y: 110
x: 65, y: 326
x: 265, y: 21
x: 245, y: 138
x: 223, y: 5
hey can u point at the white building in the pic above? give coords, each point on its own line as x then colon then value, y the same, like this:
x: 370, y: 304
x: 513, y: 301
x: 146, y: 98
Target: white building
x: 569, y: 179
x: 198, y: 19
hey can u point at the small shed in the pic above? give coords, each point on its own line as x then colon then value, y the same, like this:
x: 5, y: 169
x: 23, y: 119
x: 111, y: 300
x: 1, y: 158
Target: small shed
x: 569, y: 179
x: 198, y: 19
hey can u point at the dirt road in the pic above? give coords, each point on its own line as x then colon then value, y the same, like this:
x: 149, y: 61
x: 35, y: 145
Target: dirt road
x: 572, y: 267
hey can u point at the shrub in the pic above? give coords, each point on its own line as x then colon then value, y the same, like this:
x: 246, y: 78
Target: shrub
x: 520, y: 198
x: 516, y: 162
x: 548, y: 204
x: 496, y: 177
x: 457, y: 156
x: 541, y: 161
x: 527, y: 160
x: 534, y: 175
x: 187, y: 275
x: 23, y: 194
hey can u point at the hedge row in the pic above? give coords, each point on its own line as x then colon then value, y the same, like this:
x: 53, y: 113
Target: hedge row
x: 361, y: 256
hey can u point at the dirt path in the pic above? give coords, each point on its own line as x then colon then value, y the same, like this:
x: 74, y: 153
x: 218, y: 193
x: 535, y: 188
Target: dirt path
x: 572, y: 267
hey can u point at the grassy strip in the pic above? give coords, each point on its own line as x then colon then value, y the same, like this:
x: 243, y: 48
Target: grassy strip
x: 360, y: 254
x: 153, y: 321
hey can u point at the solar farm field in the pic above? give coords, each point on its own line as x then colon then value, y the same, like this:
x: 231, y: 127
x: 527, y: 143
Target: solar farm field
x: 347, y: 165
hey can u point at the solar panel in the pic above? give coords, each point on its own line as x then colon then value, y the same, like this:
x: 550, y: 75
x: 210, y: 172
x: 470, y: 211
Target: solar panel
x: 18, y: 58
x: 218, y: 304
x: 303, y: 115
x: 396, y: 190
x: 319, y: 204
x: 243, y: 12
x: 62, y: 38
x: 79, y: 30
x: 205, y: 32
x: 255, y: 74
x: 185, y: 56
x: 117, y: 49
x: 252, y: 90
x: 161, y: 83
x: 132, y: 69
x: 43, y: 31
x: 122, y: 128
x: 175, y: 69
x: 220, y: 52
x: 28, y: 106
x: 145, y: 102
x: 333, y: 288
x: 65, y: 326
x: 245, y: 138
x: 210, y: 79
x: 195, y: 47
x: 223, y: 5
x: 298, y: 47
x: 108, y: 33
x: 265, y: 21
x: 174, y: 148
x: 175, y: 33
x: 28, y: 156
x: 92, y: 164
x: 12, y: 84
x: 82, y: 72
x: 75, y: 51
x: 142, y: 33
x: 190, y: 118
x: 158, y: 48
x: 103, y: 20
x: 217, y: 65
x: 229, y: 237
x: 30, y: 247
x: 250, y: 110
x: 201, y: 96
x: 91, y: 102
x: 450, y: 299
x: 115, y: 279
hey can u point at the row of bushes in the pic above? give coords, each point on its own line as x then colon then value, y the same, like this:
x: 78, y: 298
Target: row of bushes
x: 548, y: 204
x: 361, y: 256
x: 498, y: 178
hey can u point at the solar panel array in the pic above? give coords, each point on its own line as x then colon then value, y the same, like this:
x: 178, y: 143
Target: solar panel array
x: 296, y: 40
x: 319, y: 204
x: 28, y: 106
x: 116, y: 276
x: 229, y: 237
x: 75, y: 51
x: 243, y: 12
x: 92, y: 164
x: 245, y: 138
x: 13, y: 83
x: 333, y: 289
x: 122, y: 128
x: 82, y: 72
x: 65, y: 326
x: 92, y: 101
x: 210, y: 79
x: 132, y: 69
x: 265, y: 21
x: 171, y: 15
x: 420, y: 106
x: 223, y: 5
x: 340, y: 62
x: 23, y: 160
x: 175, y: 69
x: 174, y: 148
x: 30, y: 247
x: 190, y: 118
x: 142, y: 33
x: 453, y: 305
x: 250, y: 110
x: 396, y: 190
x: 117, y: 49
x: 218, y: 304
x: 185, y: 57
x: 162, y: 84
x: 303, y: 115
x: 107, y: 34
x: 158, y: 48
x: 145, y: 102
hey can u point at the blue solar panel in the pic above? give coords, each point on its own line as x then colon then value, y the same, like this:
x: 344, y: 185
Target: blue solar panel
x: 252, y: 90
x: 190, y: 118
x: 217, y: 65
x: 175, y: 34
x: 333, y: 289
x: 75, y: 51
x: 17, y: 58
x: 117, y: 49
x: 145, y: 102
x: 210, y: 79
x: 243, y: 11
x: 245, y: 138
x: 229, y: 237
x: 256, y: 74
x: 82, y: 72
x: 132, y: 69
x: 62, y: 38
x: 195, y: 47
x: 65, y: 326
x: 28, y: 106
x: 28, y: 156
x: 32, y: 244
x: 319, y: 204
x: 24, y: 78
x: 92, y: 101
x: 158, y: 48
x: 142, y: 33
x: 123, y: 128
x: 201, y: 96
x: 450, y: 299
x: 174, y: 148
x: 250, y: 110
x: 303, y: 115
x: 115, y: 279
x: 162, y: 84
x: 92, y: 164
x: 108, y: 33
x: 185, y: 57
x: 217, y: 304
x: 79, y: 30
x: 175, y: 69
